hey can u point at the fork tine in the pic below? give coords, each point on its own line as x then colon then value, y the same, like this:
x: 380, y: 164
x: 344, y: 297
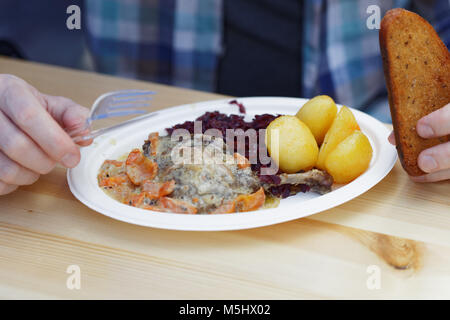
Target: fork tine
x: 130, y: 105
x: 117, y: 114
x: 137, y: 99
x: 130, y: 93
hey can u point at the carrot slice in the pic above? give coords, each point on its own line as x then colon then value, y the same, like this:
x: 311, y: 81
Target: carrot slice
x: 250, y: 202
x: 113, y: 181
x: 154, y: 140
x: 228, y: 207
x: 137, y: 199
x: 114, y: 162
x: 243, y: 203
x: 177, y: 206
x: 167, y: 188
x: 140, y: 168
x: 156, y: 190
x: 242, y: 162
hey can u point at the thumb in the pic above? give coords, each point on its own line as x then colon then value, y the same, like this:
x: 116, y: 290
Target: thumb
x: 391, y: 138
x: 69, y: 115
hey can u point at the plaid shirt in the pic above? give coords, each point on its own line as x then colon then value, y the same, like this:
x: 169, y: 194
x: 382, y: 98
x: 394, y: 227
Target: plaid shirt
x: 178, y: 42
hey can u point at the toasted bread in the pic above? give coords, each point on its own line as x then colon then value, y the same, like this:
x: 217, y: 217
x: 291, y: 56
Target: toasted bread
x: 417, y: 71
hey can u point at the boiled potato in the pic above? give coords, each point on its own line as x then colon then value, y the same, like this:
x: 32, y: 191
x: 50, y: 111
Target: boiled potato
x: 318, y: 114
x: 350, y: 158
x: 291, y: 144
x: 343, y: 125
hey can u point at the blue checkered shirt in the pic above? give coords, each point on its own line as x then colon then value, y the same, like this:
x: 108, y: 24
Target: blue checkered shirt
x: 179, y: 42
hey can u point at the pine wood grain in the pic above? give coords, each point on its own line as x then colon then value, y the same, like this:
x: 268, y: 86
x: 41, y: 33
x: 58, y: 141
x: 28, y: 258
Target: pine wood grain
x: 400, y: 226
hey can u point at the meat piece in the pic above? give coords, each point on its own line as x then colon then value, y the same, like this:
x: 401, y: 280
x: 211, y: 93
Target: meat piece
x: 206, y: 175
x: 318, y: 180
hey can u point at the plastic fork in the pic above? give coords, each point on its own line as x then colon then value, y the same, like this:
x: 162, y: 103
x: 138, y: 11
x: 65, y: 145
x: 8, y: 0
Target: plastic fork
x: 114, y: 104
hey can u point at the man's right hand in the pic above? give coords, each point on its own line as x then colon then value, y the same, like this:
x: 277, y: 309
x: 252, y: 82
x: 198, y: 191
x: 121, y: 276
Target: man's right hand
x: 33, y: 136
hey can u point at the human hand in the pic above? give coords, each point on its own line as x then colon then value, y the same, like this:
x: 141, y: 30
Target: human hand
x: 436, y: 160
x: 32, y: 133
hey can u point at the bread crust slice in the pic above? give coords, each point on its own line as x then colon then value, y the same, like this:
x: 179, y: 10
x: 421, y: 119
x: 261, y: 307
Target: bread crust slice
x: 417, y: 71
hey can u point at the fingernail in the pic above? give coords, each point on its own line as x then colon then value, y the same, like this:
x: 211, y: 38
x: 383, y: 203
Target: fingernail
x: 70, y: 160
x: 427, y: 163
x: 391, y: 139
x: 425, y: 131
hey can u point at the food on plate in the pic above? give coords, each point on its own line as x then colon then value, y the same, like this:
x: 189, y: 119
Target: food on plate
x: 158, y: 183
x: 272, y: 182
x: 291, y: 144
x: 350, y: 158
x: 417, y: 71
x: 297, y: 150
x: 195, y: 171
x: 243, y: 203
x: 343, y: 125
x: 154, y: 179
x: 140, y: 168
x: 318, y: 114
x: 317, y: 180
x: 113, y: 176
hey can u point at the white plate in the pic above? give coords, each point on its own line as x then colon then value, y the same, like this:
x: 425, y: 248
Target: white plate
x: 83, y: 178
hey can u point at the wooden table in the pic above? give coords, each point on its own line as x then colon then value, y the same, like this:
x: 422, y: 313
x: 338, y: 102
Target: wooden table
x: 398, y: 230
